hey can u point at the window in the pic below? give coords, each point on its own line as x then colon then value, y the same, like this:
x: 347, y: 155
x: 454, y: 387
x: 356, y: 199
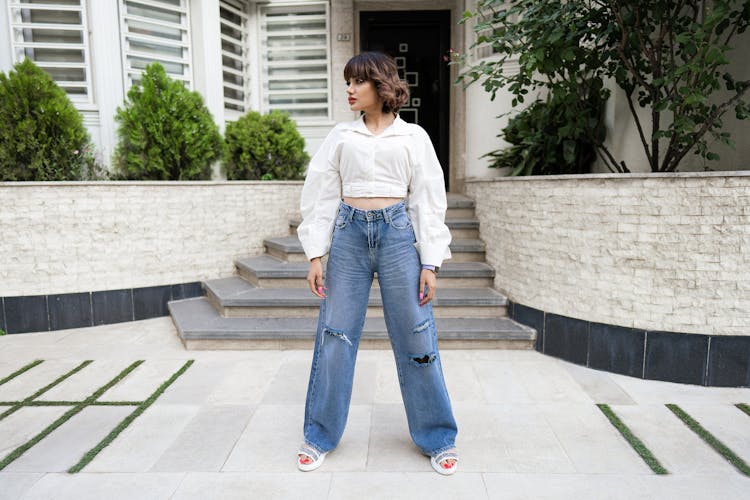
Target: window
x: 295, y: 59
x: 155, y: 31
x: 234, y: 54
x: 53, y: 34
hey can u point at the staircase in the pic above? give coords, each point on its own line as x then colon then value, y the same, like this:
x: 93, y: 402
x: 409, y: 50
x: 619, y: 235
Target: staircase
x: 268, y: 305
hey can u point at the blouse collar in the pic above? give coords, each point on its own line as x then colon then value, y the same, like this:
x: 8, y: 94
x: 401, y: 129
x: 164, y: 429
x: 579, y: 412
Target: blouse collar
x: 398, y: 127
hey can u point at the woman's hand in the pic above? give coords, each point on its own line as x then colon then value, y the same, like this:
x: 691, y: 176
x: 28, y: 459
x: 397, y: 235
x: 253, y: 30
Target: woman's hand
x: 315, y: 277
x: 429, y: 279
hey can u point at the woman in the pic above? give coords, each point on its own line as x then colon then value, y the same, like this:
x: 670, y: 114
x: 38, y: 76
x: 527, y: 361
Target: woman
x: 373, y: 162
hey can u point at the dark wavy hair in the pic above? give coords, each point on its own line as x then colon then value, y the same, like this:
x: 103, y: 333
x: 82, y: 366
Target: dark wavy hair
x: 381, y: 70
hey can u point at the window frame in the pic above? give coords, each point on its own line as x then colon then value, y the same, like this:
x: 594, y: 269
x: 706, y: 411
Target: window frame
x: 241, y: 9
x: 128, y: 71
x: 262, y: 71
x: 14, y: 8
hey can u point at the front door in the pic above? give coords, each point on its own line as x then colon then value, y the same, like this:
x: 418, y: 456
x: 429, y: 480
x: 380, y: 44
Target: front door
x: 417, y: 40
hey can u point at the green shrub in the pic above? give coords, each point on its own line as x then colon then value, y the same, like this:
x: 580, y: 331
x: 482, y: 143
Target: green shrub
x: 552, y: 137
x: 264, y: 147
x: 42, y: 137
x: 165, y: 132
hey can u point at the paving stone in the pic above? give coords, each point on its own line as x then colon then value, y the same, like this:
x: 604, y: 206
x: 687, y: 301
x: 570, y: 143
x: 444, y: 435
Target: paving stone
x: 115, y: 486
x: 196, y: 384
x: 139, y: 384
x: 598, y: 385
x: 246, y: 381
x: 207, y: 440
x: 272, y: 427
x: 406, y: 486
x: 22, y: 425
x: 86, y: 382
x: 67, y: 444
x: 678, y: 448
x: 289, y: 384
x: 32, y: 380
x: 567, y: 487
x: 697, y: 486
x: 727, y: 423
x: 143, y: 442
x: 244, y: 485
x: 9, y: 366
x: 461, y: 379
x: 502, y: 382
x: 592, y: 443
x: 391, y: 448
x: 481, y: 441
x: 352, y: 452
x: 655, y: 391
x: 549, y: 382
x: 14, y: 484
x: 531, y: 443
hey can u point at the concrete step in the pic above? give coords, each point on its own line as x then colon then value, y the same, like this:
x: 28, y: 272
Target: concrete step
x: 236, y: 298
x: 289, y: 248
x: 201, y: 327
x: 269, y: 272
x: 465, y: 228
x: 460, y: 206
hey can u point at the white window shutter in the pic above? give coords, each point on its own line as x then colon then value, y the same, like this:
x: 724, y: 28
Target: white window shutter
x: 155, y: 31
x: 54, y: 35
x: 296, y: 59
x: 234, y: 54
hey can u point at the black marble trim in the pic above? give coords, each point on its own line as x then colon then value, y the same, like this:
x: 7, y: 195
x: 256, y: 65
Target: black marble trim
x: 689, y: 358
x: 39, y: 313
x: 2, y: 315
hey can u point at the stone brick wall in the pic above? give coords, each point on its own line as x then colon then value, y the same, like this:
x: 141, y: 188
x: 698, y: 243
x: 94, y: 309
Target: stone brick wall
x: 657, y: 252
x: 78, y: 236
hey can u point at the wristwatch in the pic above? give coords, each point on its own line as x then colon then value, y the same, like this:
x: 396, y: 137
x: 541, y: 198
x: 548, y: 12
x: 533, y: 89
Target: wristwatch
x: 434, y: 269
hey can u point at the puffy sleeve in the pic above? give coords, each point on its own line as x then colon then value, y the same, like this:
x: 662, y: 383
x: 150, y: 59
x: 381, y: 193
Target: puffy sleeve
x: 428, y: 203
x: 320, y: 199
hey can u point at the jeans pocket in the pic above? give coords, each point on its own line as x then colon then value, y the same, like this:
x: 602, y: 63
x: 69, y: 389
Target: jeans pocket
x: 341, y: 221
x: 401, y: 221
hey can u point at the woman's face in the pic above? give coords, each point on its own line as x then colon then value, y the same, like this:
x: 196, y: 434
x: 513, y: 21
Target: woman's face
x: 362, y: 95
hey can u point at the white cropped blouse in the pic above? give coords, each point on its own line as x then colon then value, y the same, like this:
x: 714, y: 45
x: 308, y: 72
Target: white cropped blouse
x: 354, y: 162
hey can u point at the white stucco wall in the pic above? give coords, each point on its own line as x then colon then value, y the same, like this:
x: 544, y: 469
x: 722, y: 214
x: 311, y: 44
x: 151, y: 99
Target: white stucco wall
x: 77, y: 237
x: 652, y: 251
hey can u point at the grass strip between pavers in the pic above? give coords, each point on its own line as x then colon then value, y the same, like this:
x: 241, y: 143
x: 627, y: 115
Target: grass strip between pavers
x: 633, y: 440
x: 44, y: 389
x: 65, y: 416
x: 93, y: 452
x: 21, y: 370
x: 710, y: 439
x: 744, y: 407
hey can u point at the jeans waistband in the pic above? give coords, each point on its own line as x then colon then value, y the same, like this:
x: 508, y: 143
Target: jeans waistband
x: 385, y: 214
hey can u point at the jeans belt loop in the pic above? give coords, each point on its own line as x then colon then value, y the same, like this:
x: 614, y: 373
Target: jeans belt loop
x: 386, y: 216
x: 350, y: 215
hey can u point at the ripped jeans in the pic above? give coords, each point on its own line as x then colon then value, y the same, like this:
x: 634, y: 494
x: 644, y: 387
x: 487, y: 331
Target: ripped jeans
x: 364, y: 242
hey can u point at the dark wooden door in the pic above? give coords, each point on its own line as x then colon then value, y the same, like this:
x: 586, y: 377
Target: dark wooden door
x: 418, y: 40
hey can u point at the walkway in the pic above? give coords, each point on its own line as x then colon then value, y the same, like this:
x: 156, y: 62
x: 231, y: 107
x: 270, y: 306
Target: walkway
x: 227, y: 425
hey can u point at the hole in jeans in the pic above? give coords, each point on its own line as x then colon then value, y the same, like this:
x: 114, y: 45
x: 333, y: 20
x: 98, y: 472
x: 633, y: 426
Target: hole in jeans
x: 337, y: 333
x: 422, y: 327
x: 425, y: 360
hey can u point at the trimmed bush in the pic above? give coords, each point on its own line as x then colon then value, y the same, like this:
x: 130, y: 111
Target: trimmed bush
x: 553, y: 137
x: 267, y: 147
x: 42, y: 137
x: 165, y: 132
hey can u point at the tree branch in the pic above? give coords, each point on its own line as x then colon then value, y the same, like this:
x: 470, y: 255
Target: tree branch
x: 695, y: 137
x: 640, y: 129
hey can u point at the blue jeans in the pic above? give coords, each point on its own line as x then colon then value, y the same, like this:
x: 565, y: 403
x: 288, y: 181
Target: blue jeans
x: 365, y: 242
